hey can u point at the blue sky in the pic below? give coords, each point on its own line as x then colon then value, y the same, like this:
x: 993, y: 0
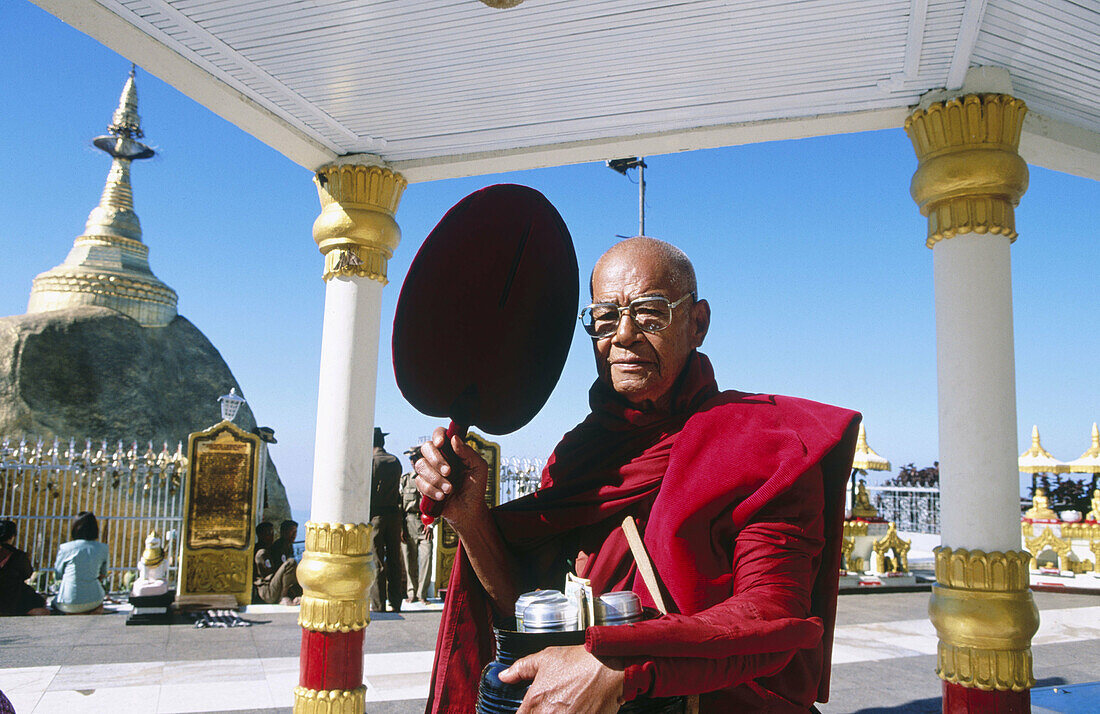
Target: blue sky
x: 811, y: 253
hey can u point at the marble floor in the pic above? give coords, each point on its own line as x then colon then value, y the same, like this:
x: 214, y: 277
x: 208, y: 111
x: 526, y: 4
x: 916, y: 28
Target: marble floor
x: 883, y: 658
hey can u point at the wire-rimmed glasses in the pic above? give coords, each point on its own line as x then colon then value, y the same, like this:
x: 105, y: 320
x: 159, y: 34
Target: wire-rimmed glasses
x: 651, y: 313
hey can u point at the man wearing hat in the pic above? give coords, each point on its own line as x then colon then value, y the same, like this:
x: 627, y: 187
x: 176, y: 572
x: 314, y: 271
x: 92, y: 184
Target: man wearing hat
x: 416, y: 539
x: 385, y: 518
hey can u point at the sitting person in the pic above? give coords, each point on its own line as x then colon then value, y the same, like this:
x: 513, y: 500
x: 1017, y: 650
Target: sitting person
x: 276, y: 580
x: 81, y: 565
x: 16, y: 597
x: 283, y: 548
x: 739, y: 497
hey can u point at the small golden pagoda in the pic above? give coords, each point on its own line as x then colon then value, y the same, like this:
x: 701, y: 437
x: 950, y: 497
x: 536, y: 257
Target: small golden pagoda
x: 1089, y: 463
x: 109, y: 264
x: 865, y: 460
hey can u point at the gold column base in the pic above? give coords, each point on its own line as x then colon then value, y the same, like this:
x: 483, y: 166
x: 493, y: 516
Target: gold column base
x: 329, y: 701
x: 984, y: 615
x: 335, y: 572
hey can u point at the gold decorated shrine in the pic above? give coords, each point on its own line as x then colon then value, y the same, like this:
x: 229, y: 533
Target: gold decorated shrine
x: 219, y: 516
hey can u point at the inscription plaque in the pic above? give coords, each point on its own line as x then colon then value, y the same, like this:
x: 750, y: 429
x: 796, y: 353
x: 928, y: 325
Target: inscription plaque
x: 220, y: 494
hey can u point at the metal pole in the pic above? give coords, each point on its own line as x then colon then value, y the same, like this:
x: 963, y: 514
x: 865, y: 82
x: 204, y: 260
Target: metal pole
x: 641, y: 196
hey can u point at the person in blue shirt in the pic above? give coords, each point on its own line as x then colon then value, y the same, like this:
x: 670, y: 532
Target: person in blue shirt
x: 81, y: 565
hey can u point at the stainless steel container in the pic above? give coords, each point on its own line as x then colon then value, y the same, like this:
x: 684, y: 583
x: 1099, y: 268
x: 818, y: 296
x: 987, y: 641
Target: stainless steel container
x: 534, y: 596
x: 618, y: 608
x: 550, y: 616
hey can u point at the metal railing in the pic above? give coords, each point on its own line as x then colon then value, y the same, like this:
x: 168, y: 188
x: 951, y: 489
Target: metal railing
x: 519, y: 477
x: 914, y: 509
x: 43, y: 485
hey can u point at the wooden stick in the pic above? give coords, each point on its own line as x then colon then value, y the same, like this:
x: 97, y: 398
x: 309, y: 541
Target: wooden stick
x: 649, y: 577
x: 645, y: 565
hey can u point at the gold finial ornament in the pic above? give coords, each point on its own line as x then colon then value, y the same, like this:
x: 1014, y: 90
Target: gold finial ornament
x: 985, y: 618
x: 866, y: 459
x: 1088, y: 462
x: 970, y: 176
x: 108, y: 265
x: 1037, y: 460
x: 356, y: 231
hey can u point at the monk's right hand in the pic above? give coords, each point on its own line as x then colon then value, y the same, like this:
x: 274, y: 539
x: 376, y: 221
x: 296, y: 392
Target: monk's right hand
x: 433, y: 479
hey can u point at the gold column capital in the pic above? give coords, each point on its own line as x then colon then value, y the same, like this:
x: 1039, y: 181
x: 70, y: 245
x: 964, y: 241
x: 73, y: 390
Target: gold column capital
x: 984, y: 615
x: 335, y: 572
x: 356, y: 231
x: 329, y: 701
x: 970, y: 176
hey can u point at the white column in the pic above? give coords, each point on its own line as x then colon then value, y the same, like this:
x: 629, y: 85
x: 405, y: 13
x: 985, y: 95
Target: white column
x: 345, y: 401
x: 977, y: 393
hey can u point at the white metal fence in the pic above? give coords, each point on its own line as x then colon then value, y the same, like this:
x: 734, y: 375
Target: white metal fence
x: 912, y: 508
x: 519, y: 477
x: 131, y: 492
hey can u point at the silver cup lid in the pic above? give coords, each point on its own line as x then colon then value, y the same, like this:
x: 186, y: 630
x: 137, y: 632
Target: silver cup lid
x: 536, y: 596
x: 550, y: 615
x: 617, y: 607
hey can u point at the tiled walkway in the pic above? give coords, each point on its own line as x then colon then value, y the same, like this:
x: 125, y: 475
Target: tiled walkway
x: 883, y: 660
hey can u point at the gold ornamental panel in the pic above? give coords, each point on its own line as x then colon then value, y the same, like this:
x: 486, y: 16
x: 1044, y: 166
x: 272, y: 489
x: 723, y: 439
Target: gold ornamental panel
x: 329, y: 701
x: 335, y: 572
x: 217, y: 571
x: 1045, y: 541
x: 984, y: 615
x: 219, y: 514
x: 892, y: 542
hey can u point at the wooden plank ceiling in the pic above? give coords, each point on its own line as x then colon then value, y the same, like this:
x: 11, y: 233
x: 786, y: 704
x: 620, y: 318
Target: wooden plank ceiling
x: 416, y: 80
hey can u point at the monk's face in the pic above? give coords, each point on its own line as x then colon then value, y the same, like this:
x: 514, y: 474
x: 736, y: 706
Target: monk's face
x: 643, y: 366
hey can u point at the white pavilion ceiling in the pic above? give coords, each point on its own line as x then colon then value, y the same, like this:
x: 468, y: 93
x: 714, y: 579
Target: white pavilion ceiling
x: 446, y: 83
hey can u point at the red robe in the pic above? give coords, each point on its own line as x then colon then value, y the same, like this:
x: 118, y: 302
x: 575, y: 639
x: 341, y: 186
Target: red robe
x: 740, y: 499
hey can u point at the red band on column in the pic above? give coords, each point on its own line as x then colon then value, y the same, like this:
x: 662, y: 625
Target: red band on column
x: 958, y: 699
x: 331, y: 660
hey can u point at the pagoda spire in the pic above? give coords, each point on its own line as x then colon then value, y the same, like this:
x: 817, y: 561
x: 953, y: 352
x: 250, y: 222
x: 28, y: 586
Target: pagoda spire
x: 109, y: 264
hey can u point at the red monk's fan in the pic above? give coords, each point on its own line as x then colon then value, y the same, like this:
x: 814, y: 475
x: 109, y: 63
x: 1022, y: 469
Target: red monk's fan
x: 486, y: 314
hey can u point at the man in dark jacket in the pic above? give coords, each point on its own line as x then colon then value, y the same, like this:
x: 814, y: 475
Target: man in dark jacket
x: 386, y: 519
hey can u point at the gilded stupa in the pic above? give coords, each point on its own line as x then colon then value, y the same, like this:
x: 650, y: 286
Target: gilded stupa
x: 108, y: 265
x: 102, y: 352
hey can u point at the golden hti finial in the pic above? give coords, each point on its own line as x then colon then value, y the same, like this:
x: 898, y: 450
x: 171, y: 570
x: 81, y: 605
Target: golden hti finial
x: 866, y: 459
x: 1088, y: 462
x: 108, y: 265
x: 1038, y: 460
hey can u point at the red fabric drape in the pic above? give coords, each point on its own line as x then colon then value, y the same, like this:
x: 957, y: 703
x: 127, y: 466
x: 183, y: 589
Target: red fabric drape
x: 695, y: 477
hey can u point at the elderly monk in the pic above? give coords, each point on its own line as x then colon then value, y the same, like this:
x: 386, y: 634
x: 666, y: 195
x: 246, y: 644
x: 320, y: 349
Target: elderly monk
x: 739, y: 497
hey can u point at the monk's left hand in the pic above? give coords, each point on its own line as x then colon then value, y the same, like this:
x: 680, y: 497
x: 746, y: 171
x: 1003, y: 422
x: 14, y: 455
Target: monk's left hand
x: 567, y: 679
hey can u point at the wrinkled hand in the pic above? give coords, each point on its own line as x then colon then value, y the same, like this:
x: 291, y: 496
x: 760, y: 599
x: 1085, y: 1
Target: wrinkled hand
x: 567, y: 679
x: 433, y: 475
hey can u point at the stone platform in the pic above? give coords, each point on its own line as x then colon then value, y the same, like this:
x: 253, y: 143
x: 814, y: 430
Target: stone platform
x: 883, y: 660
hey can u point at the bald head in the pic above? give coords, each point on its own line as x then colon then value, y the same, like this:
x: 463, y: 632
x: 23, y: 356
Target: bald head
x: 678, y: 272
x: 642, y: 365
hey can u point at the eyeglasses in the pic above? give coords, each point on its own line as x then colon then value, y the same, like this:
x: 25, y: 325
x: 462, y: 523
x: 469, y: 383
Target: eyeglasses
x: 651, y: 313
